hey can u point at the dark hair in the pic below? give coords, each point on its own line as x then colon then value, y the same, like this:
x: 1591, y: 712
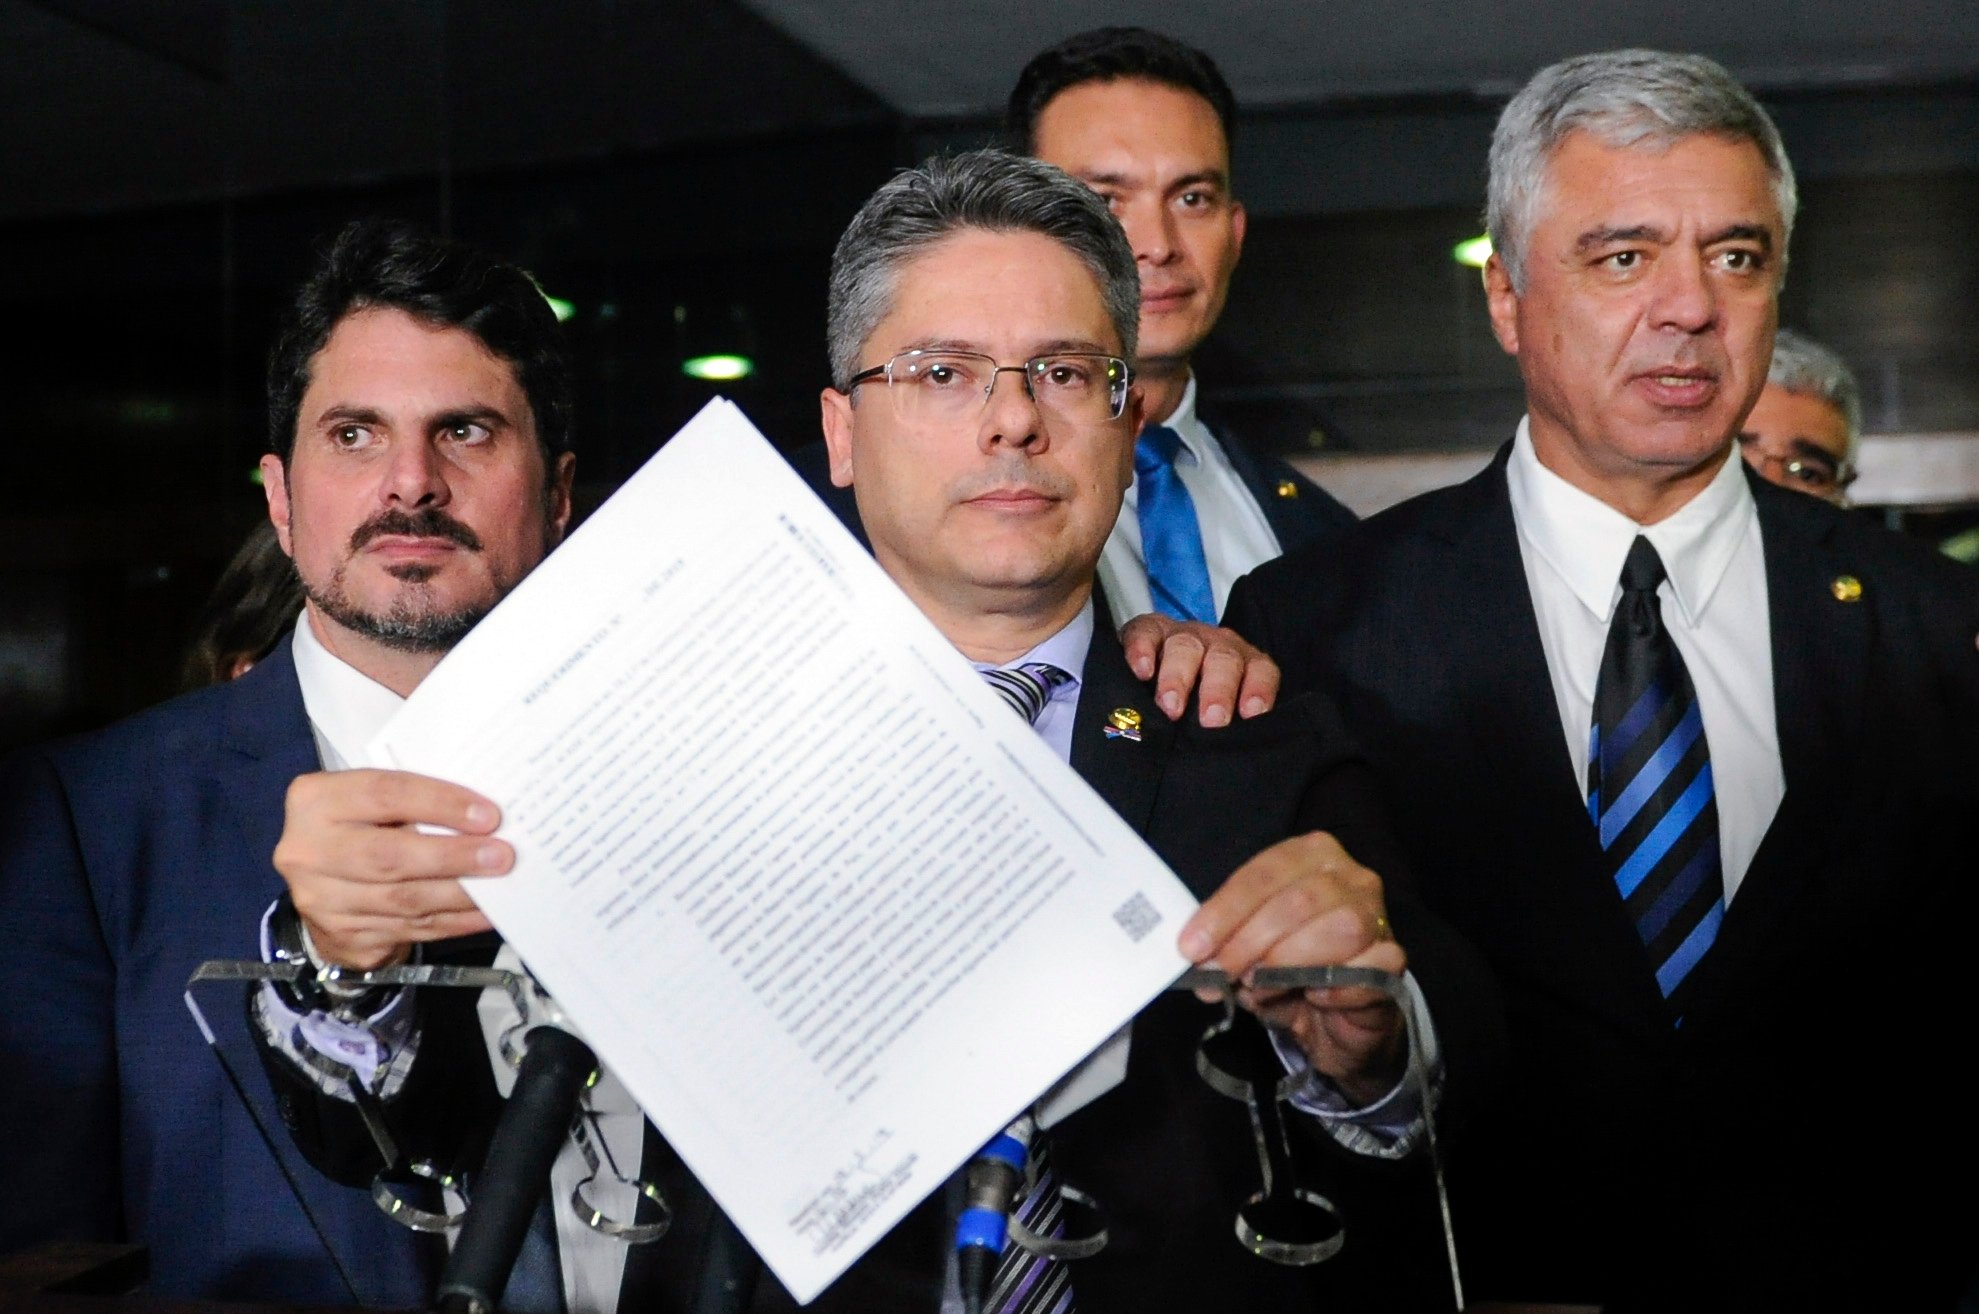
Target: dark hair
x: 250, y: 609
x: 394, y: 265
x: 1104, y: 55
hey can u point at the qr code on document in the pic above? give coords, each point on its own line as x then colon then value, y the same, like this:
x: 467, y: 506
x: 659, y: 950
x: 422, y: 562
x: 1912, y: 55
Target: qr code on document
x: 1137, y: 917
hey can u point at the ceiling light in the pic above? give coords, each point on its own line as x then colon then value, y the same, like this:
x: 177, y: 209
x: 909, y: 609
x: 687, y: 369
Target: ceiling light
x: 721, y: 368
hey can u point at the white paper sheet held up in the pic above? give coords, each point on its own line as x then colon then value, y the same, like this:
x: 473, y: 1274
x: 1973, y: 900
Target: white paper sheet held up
x: 828, y: 909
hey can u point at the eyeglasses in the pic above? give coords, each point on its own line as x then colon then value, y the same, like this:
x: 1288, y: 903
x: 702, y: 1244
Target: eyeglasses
x: 950, y: 388
x: 1812, y: 475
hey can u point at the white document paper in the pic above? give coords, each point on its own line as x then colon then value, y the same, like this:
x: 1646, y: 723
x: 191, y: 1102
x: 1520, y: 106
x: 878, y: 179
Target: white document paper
x: 831, y: 912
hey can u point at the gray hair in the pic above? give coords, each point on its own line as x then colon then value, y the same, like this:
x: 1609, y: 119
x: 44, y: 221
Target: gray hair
x: 1800, y: 364
x: 1625, y: 98
x: 991, y: 190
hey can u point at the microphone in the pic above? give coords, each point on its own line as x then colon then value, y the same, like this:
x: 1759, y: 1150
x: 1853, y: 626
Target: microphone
x: 531, y: 1130
x: 990, y: 1184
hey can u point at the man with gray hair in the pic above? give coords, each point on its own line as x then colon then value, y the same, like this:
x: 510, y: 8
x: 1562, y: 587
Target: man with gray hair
x: 1805, y: 428
x: 1614, y: 687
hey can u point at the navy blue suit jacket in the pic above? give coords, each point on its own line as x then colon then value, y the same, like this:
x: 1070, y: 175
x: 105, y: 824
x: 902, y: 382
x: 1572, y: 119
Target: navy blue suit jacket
x: 127, y: 857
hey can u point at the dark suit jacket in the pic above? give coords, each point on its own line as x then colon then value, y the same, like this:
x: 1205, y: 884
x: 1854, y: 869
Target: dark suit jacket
x: 126, y: 858
x: 1298, y: 510
x: 1170, y: 1160
x: 1748, y: 1157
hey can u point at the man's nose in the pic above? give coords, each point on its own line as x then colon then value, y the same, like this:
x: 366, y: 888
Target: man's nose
x: 1010, y: 412
x: 416, y: 476
x: 1150, y: 228
x: 1686, y: 299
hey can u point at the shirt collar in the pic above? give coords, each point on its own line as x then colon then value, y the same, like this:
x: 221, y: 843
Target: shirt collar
x: 1066, y: 650
x: 1187, y: 425
x: 346, y: 707
x: 1585, y: 540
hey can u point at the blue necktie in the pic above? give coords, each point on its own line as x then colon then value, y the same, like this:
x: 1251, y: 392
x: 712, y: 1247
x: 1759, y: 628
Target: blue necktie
x: 1649, y: 786
x: 1171, y: 537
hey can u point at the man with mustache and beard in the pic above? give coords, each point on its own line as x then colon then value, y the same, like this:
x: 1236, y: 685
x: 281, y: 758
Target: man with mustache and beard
x: 419, y: 408
x: 1677, y: 749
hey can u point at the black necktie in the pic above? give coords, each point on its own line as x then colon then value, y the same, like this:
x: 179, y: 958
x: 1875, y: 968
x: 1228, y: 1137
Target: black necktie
x: 1649, y: 786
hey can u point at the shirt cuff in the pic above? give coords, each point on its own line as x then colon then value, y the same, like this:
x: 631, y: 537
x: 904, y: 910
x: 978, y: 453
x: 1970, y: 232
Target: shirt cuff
x: 329, y: 1048
x: 1390, y: 1127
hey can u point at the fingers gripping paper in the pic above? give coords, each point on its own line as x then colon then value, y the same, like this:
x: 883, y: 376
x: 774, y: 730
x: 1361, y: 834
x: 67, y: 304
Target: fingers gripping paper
x: 830, y: 912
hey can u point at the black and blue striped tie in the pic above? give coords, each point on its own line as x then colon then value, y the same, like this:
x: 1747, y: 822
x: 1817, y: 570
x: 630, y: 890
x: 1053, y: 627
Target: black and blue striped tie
x: 1649, y: 786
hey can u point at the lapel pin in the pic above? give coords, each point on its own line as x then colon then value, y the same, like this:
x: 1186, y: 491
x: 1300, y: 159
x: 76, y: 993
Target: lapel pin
x: 1846, y: 588
x: 1123, y: 723
x: 1287, y: 489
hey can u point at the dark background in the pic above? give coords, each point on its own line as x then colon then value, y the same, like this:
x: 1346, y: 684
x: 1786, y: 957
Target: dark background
x: 680, y: 172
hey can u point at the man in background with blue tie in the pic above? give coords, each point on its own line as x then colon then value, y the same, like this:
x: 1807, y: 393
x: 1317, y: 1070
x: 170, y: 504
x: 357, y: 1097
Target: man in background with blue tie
x: 1146, y: 121
x: 1677, y: 750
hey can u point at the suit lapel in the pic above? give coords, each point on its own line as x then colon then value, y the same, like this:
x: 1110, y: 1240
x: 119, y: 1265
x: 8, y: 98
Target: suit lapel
x: 265, y: 743
x: 1514, y: 735
x: 1290, y: 502
x: 1125, y: 772
x: 1821, y: 646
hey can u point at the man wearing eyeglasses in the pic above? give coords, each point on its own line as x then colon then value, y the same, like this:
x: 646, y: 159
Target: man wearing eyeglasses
x: 1804, y: 430
x: 982, y: 320
x: 983, y: 313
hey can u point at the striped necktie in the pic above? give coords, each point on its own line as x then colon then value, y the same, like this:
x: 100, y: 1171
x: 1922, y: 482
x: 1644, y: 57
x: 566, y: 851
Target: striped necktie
x: 1026, y: 1283
x: 1171, y: 536
x: 1649, y: 787
x: 1026, y: 688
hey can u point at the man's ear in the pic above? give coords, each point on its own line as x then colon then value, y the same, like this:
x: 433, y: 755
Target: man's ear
x: 1503, y: 303
x: 275, y: 487
x: 1240, y: 221
x: 835, y: 413
x: 562, y: 476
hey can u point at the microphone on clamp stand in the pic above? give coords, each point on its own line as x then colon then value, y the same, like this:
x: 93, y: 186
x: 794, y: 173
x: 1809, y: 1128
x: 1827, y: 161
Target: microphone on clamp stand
x: 982, y: 1231
x: 554, y: 1072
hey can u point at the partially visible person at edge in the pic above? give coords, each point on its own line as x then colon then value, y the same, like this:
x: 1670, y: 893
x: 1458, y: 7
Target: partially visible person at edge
x: 1806, y: 428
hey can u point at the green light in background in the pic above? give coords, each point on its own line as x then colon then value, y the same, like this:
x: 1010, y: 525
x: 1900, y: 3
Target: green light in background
x: 254, y: 475
x: 1473, y: 253
x: 562, y: 309
x: 718, y: 369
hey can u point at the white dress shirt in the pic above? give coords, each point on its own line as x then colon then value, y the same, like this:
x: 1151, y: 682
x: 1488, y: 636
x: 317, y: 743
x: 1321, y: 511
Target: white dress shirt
x: 1236, y: 536
x: 1714, y: 607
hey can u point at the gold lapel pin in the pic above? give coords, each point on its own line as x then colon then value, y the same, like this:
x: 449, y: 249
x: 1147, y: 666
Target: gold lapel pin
x: 1286, y: 488
x: 1846, y: 588
x: 1123, y: 723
